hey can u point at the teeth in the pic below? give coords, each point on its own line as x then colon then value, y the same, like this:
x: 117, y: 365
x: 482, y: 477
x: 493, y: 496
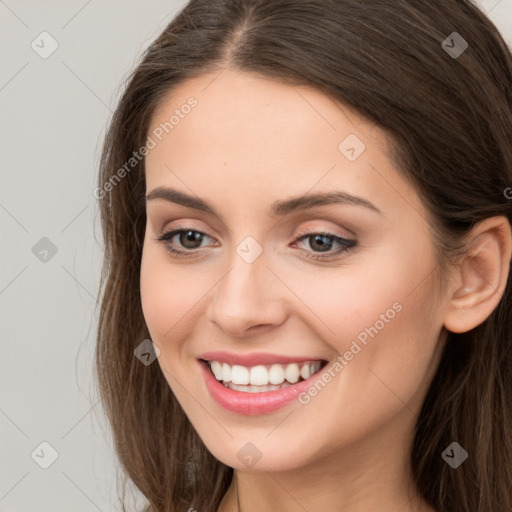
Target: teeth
x: 276, y: 374
x: 239, y: 374
x: 217, y: 370
x: 256, y: 389
x: 292, y: 373
x: 226, y: 372
x: 259, y: 378
x: 305, y: 371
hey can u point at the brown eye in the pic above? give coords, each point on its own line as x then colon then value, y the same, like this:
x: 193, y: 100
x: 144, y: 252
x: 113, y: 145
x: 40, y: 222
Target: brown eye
x: 188, y: 241
x: 320, y: 242
x: 323, y: 243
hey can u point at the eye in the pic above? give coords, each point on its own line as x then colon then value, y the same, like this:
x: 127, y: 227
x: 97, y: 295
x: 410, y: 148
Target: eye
x: 190, y: 240
x: 322, y: 242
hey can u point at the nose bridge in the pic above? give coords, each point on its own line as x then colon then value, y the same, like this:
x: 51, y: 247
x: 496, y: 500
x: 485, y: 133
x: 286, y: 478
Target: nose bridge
x: 246, y: 295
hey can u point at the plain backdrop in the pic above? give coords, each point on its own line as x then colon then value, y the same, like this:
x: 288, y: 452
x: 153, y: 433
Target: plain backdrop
x: 61, y: 72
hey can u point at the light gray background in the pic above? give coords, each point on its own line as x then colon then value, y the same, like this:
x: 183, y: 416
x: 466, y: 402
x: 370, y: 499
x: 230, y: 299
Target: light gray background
x: 54, y: 113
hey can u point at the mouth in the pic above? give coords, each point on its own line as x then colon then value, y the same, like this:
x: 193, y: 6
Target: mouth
x: 263, y: 377
x: 257, y: 384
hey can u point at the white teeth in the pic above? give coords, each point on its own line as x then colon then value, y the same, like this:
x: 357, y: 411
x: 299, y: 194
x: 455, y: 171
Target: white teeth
x: 305, y: 372
x: 260, y: 377
x: 276, y: 374
x: 292, y: 373
x: 239, y: 374
x: 217, y: 370
x: 257, y: 389
x: 226, y: 372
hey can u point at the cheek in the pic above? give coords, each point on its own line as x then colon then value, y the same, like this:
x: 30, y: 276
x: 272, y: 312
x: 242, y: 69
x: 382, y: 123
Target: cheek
x: 378, y: 315
x: 386, y: 337
x: 168, y: 295
x: 348, y: 299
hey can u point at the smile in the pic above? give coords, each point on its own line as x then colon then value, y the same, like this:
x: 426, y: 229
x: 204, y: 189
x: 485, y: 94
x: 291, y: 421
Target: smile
x: 261, y: 378
x: 257, y: 384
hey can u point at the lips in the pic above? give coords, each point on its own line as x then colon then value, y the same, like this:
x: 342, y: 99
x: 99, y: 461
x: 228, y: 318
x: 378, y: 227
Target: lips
x: 249, y: 400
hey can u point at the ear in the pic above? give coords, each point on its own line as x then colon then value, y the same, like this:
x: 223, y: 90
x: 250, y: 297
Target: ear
x: 481, y: 275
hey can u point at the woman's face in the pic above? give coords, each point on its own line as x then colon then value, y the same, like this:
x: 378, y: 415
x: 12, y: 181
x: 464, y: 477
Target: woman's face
x: 301, y: 244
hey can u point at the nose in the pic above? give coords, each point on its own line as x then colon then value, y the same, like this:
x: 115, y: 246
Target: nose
x: 249, y: 298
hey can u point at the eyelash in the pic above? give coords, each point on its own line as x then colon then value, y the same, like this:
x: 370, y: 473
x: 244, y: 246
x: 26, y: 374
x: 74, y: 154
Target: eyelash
x: 346, y: 244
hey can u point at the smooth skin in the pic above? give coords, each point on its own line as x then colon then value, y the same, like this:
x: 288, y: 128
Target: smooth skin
x: 249, y: 142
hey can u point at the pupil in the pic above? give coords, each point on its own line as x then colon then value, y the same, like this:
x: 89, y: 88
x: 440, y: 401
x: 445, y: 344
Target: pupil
x: 190, y: 237
x: 318, y: 239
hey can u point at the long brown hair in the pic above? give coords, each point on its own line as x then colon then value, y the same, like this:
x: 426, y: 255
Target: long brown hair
x: 450, y: 118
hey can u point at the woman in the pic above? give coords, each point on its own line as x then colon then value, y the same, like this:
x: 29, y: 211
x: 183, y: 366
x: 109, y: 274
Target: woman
x: 306, y: 289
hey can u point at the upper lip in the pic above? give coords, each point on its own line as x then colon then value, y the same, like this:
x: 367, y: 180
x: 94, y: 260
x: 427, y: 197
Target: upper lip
x: 255, y: 359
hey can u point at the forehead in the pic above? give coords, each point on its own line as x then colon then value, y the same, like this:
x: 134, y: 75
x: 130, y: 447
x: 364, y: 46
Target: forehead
x: 266, y: 139
x: 253, y: 105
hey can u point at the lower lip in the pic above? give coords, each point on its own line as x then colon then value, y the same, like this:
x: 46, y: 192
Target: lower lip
x: 252, y: 404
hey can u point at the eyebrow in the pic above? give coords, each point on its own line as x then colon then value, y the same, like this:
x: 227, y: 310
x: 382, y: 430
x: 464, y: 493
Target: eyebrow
x: 279, y: 208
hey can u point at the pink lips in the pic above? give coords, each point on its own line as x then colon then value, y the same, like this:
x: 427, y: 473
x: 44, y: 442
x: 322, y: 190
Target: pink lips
x: 252, y: 404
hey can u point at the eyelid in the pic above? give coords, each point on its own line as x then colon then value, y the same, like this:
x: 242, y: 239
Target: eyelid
x: 327, y: 232
x: 183, y: 227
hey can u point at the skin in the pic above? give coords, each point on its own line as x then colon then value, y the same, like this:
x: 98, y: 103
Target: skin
x: 252, y: 141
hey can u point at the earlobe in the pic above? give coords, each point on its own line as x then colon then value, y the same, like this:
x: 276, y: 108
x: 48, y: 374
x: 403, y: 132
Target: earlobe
x: 481, y: 275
